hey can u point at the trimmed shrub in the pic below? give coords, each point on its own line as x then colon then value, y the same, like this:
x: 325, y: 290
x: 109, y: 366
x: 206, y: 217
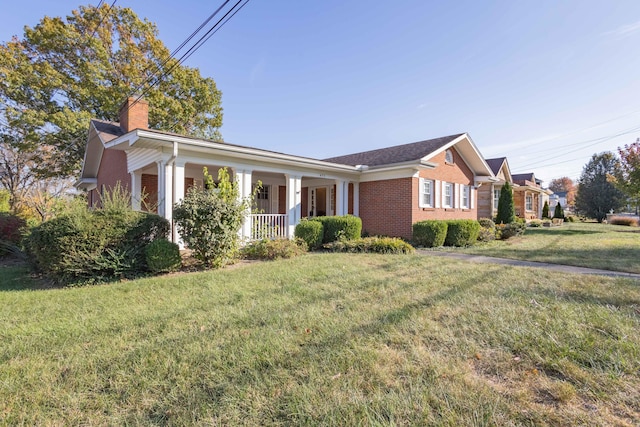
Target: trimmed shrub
x: 347, y: 227
x: 311, y: 232
x: 462, y: 232
x: 507, y: 231
x: 623, y: 220
x: 535, y: 223
x: 274, y: 249
x: 487, y: 231
x: 11, y: 228
x: 545, y: 210
x: 162, y: 256
x: 94, y: 246
x: 381, y: 245
x: 429, y: 233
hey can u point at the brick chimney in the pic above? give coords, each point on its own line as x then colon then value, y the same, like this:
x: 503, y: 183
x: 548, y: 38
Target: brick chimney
x: 134, y: 115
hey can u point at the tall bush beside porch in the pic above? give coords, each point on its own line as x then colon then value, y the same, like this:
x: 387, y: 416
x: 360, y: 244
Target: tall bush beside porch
x: 209, y: 219
x: 348, y: 227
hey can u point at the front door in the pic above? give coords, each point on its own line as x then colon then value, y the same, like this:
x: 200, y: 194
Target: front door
x: 321, y: 201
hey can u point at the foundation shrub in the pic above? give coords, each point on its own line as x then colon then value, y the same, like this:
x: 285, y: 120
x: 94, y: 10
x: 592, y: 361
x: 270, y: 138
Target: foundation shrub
x: 487, y: 231
x: 462, y: 232
x: 429, y: 233
x: 535, y: 223
x: 381, y: 245
x: 311, y: 232
x: 162, y: 256
x: 347, y: 227
x: 513, y: 229
x: 274, y: 249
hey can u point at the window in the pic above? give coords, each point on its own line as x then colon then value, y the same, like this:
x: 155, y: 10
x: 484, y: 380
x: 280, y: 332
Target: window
x: 465, y: 196
x: 529, y: 202
x: 426, y: 193
x: 496, y: 198
x: 448, y: 156
x: 447, y: 201
x: 263, y: 193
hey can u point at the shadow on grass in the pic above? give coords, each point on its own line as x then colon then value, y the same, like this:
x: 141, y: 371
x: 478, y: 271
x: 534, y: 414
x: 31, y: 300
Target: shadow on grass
x: 554, y: 231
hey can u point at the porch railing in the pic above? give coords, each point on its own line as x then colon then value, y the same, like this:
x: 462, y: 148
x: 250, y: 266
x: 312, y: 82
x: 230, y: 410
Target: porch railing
x: 269, y: 226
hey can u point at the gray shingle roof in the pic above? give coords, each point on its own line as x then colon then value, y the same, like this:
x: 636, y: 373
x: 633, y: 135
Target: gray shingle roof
x: 396, y: 154
x: 107, y: 130
x: 522, y: 177
x: 495, y: 164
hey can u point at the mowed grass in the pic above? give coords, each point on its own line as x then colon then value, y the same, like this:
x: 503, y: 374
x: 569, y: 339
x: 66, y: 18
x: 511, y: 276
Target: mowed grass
x: 603, y: 246
x: 325, y: 339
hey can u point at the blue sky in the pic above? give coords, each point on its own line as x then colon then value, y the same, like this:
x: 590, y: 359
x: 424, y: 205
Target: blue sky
x: 545, y: 83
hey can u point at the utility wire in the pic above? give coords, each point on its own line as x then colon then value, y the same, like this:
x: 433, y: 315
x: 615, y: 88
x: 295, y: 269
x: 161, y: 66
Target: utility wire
x: 176, y: 50
x: 193, y: 49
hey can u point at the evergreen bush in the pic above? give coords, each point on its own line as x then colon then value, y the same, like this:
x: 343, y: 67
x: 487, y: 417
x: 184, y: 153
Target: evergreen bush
x: 507, y: 231
x: 487, y: 231
x: 429, y: 233
x: 545, y: 210
x: 312, y: 232
x: 347, y: 227
x: 506, y: 210
x: 462, y: 232
x: 558, y: 212
x: 162, y: 256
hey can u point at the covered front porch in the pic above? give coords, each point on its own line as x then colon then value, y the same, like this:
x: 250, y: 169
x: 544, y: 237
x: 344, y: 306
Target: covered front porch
x: 281, y: 196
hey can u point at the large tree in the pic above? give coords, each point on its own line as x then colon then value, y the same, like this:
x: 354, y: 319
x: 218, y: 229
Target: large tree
x: 628, y: 176
x: 65, y: 71
x: 597, y: 194
x: 564, y: 184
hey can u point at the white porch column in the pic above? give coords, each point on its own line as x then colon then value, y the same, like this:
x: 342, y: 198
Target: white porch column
x: 356, y: 199
x: 294, y: 202
x: 243, y: 178
x: 342, y: 197
x: 136, y: 190
x: 161, y: 187
x: 167, y: 201
x: 178, y: 195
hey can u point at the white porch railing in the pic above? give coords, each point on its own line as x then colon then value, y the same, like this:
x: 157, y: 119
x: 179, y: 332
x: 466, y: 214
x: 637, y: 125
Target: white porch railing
x: 268, y: 226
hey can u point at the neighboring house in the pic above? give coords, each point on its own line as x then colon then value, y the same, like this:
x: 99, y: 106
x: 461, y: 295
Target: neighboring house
x: 528, y: 194
x: 489, y: 193
x: 389, y: 188
x: 555, y: 198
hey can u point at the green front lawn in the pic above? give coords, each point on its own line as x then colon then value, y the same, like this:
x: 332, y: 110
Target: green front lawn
x: 325, y: 339
x: 608, y: 247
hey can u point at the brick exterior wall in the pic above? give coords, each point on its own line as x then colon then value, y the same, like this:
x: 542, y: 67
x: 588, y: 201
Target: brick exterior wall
x: 390, y: 207
x: 113, y: 169
x: 149, y: 185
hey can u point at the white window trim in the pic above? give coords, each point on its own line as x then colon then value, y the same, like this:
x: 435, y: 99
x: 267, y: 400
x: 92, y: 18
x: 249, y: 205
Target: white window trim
x: 421, y: 193
x: 465, y: 191
x: 448, y: 204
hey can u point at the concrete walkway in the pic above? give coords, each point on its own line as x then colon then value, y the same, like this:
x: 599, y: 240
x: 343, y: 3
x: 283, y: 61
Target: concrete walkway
x: 519, y: 263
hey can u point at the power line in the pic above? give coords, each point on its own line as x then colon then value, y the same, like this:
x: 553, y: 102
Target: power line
x: 102, y: 18
x: 194, y: 48
x: 176, y: 50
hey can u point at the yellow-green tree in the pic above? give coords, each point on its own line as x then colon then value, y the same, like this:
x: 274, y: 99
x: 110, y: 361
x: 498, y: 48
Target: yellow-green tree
x: 64, y: 71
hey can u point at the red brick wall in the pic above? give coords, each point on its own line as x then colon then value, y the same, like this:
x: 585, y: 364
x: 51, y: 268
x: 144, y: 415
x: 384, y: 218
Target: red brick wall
x: 113, y: 169
x: 304, y: 205
x: 385, y: 207
x: 149, y: 185
x: 350, y: 203
x: 457, y: 173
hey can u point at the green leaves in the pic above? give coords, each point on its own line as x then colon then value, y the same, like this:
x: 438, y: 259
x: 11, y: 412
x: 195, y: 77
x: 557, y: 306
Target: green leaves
x: 65, y: 71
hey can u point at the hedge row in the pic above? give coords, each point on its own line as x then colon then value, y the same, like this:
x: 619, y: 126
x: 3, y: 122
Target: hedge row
x: 327, y: 229
x: 434, y: 233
